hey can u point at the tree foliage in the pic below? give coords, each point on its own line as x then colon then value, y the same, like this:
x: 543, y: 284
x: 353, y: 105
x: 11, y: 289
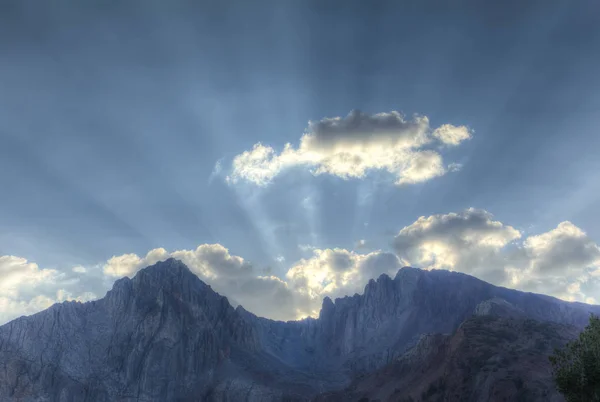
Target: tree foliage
x: 576, y: 367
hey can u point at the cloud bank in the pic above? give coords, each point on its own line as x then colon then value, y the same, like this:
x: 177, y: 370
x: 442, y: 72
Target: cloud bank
x: 562, y: 262
x: 351, y: 146
x: 25, y: 288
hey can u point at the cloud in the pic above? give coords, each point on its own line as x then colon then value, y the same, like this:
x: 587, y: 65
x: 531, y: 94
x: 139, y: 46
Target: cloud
x: 455, y: 167
x: 336, y: 273
x: 452, y: 240
x: 452, y: 135
x: 208, y: 261
x: 16, y: 271
x: 216, y: 170
x: 306, y: 247
x: 17, y: 278
x: 361, y: 244
x: 351, y: 146
x: 25, y: 288
x: 562, y: 262
x: 128, y: 264
x: 565, y: 249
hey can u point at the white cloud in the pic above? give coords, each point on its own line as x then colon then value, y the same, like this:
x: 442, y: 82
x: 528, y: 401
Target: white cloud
x: 129, y: 264
x: 351, y: 146
x: 446, y: 241
x: 455, y: 167
x: 336, y: 273
x: 25, y: 288
x: 564, y: 249
x: 562, y: 262
x: 16, y: 272
x: 11, y: 308
x: 306, y: 247
x: 452, y: 135
x: 361, y: 244
x: 64, y: 295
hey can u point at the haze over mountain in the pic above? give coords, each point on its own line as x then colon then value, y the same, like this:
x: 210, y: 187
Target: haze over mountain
x: 166, y: 335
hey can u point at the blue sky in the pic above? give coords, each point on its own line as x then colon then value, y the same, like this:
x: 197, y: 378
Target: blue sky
x: 113, y: 118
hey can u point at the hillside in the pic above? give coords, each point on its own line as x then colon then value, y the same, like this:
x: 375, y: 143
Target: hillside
x: 489, y: 358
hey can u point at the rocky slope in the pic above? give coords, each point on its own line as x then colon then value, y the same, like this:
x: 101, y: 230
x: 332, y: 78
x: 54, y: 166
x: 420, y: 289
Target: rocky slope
x: 364, y: 332
x: 167, y: 336
x: 488, y: 359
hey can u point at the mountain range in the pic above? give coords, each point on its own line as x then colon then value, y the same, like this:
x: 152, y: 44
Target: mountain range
x: 164, y: 335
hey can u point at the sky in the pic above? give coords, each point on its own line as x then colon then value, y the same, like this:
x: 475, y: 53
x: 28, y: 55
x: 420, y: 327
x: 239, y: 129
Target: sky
x: 291, y: 150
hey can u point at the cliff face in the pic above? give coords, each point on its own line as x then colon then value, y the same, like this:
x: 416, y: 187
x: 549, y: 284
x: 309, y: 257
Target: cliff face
x: 165, y: 335
x: 365, y: 332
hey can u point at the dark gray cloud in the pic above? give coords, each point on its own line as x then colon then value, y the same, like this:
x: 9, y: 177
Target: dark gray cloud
x: 362, y: 128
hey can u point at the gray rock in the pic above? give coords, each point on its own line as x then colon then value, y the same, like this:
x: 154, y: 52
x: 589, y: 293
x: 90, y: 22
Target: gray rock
x: 500, y: 308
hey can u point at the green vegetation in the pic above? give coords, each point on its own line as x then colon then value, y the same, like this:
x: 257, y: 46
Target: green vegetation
x: 576, y: 367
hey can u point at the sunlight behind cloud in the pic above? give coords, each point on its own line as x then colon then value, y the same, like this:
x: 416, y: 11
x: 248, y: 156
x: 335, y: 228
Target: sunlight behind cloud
x: 351, y: 146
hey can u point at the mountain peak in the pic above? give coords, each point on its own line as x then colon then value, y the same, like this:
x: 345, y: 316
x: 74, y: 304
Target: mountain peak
x: 172, y: 276
x: 169, y: 269
x: 407, y: 271
x: 168, y: 266
x: 327, y: 307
